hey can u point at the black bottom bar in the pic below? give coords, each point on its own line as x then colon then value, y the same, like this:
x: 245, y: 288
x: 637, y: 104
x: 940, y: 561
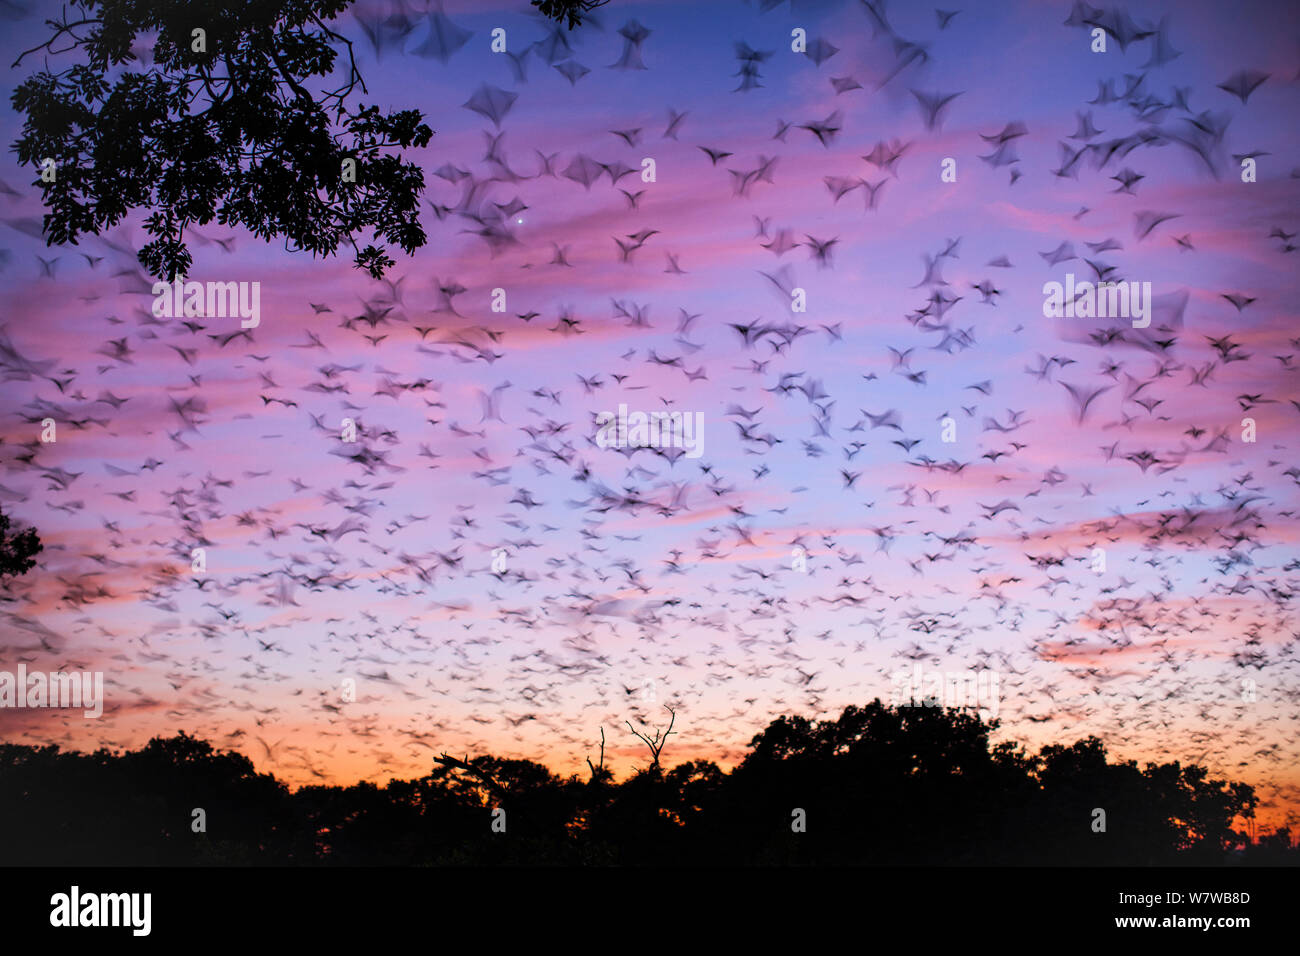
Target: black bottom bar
x: 501, y: 906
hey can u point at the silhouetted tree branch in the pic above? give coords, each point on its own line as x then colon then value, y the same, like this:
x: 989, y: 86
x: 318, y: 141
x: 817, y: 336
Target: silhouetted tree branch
x: 480, y: 775
x: 17, y: 551
x: 572, y: 10
x: 266, y: 153
x: 598, y: 773
x: 656, y: 744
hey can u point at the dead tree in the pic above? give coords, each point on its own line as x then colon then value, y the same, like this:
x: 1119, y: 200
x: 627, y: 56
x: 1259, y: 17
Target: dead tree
x: 656, y: 744
x: 598, y: 773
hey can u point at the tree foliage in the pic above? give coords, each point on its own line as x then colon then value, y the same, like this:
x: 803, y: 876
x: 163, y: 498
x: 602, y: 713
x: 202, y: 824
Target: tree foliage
x: 878, y: 785
x: 18, y: 549
x: 224, y: 125
x: 571, y: 10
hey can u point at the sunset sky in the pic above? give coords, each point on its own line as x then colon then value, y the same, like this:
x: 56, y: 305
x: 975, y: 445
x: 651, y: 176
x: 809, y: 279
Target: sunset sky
x: 636, y: 579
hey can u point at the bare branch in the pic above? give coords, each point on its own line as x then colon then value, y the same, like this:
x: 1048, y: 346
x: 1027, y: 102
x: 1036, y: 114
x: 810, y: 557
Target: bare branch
x: 480, y: 775
x: 60, y: 29
x: 657, y: 744
x: 598, y: 770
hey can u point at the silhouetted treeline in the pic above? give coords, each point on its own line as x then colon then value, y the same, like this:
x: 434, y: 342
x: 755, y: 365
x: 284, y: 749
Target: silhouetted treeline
x: 879, y: 785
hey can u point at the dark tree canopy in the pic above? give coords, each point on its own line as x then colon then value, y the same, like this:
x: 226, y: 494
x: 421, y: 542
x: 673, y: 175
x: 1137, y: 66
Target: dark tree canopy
x: 245, y: 122
x: 18, y: 550
x: 877, y: 785
x: 570, y: 10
